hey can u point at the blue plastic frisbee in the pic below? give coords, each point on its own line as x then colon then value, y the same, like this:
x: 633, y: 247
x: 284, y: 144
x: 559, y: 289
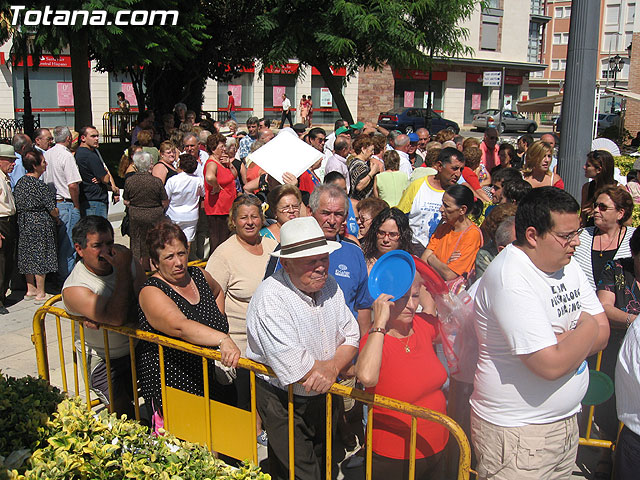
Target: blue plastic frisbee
x: 392, y: 274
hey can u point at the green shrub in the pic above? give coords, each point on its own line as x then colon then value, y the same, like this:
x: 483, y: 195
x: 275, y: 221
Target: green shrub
x: 25, y: 407
x: 100, y: 446
x: 624, y: 163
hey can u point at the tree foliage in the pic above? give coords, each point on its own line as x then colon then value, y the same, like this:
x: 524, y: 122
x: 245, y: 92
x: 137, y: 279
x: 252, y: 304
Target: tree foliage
x: 363, y: 33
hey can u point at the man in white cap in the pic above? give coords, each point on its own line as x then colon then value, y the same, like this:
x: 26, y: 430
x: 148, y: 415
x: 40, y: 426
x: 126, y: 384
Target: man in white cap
x: 7, y: 222
x: 298, y: 323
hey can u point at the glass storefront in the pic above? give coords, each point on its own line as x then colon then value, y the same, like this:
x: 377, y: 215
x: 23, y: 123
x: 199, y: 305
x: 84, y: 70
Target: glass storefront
x: 52, y: 102
x: 324, y: 107
x: 280, y: 80
x: 244, y: 83
x: 417, y: 89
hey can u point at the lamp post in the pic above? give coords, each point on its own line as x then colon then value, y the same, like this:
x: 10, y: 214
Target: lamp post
x: 615, y: 65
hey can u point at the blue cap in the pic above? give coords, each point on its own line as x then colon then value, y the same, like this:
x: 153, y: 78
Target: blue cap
x: 413, y: 137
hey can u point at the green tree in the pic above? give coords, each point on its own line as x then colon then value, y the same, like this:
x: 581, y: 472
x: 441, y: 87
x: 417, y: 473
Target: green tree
x: 116, y: 48
x: 363, y: 33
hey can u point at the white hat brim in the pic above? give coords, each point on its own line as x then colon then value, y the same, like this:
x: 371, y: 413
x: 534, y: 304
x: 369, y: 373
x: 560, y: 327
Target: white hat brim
x: 328, y: 248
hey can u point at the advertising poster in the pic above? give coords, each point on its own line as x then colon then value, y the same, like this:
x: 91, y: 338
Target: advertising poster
x: 326, y: 100
x: 129, y: 94
x: 236, y: 93
x: 476, y: 98
x: 408, y: 98
x: 65, y: 94
x: 277, y: 95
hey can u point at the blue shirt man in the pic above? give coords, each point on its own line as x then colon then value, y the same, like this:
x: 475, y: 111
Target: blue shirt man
x: 329, y: 206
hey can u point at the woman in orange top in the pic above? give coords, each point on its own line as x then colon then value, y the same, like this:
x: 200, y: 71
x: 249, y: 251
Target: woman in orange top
x: 453, y: 246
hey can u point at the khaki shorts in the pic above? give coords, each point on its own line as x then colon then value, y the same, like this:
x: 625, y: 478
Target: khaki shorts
x: 532, y: 452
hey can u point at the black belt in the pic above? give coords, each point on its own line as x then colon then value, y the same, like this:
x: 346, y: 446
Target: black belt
x: 63, y: 200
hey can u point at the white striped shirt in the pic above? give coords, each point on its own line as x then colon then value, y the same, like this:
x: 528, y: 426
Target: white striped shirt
x: 628, y: 379
x: 583, y: 251
x: 288, y: 330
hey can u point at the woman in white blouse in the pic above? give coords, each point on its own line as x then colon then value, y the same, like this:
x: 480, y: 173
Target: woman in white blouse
x: 185, y: 191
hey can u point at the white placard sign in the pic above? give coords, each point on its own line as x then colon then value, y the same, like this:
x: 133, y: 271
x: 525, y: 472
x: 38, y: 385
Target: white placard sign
x: 285, y: 153
x: 326, y: 100
x: 491, y: 79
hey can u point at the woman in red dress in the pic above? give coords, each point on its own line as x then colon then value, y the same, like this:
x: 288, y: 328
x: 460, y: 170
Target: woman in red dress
x: 397, y: 360
x: 220, y: 189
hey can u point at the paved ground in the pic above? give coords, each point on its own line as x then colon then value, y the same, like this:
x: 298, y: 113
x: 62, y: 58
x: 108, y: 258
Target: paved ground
x: 17, y: 354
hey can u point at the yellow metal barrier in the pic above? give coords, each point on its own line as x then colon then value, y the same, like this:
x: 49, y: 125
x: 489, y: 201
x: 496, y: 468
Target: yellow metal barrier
x: 596, y: 442
x: 225, y: 429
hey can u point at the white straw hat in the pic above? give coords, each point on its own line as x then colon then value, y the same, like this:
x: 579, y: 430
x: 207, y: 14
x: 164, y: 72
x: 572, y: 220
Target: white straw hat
x: 303, y: 237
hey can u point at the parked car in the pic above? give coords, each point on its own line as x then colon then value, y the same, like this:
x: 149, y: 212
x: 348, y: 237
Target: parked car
x: 606, y: 120
x: 408, y: 120
x: 511, y: 121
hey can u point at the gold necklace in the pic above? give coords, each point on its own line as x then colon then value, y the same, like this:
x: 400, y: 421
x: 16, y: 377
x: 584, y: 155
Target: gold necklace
x: 406, y: 345
x: 610, y: 242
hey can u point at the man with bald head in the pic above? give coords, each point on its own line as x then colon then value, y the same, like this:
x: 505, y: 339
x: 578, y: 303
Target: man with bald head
x: 402, y: 143
x: 489, y: 147
x: 423, y: 139
x: 265, y: 134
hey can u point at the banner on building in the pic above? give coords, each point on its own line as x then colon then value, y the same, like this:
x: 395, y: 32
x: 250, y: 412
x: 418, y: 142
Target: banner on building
x: 408, y: 98
x: 326, y: 100
x: 476, y: 98
x: 65, y: 94
x: 278, y: 91
x: 236, y: 93
x: 129, y: 94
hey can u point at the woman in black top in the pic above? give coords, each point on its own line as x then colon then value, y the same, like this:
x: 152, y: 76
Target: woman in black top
x: 181, y: 302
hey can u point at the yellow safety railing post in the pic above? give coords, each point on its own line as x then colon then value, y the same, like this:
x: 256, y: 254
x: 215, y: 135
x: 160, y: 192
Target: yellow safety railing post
x: 371, y: 400
x: 134, y: 378
x: 292, y: 459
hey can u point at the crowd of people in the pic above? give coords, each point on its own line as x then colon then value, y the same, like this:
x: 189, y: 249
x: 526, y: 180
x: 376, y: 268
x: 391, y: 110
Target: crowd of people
x: 286, y: 281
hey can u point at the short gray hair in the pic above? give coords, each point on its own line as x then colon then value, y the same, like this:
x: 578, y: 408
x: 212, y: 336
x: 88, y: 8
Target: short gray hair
x: 190, y: 135
x: 504, y: 233
x: 203, y: 135
x: 333, y: 191
x: 61, y: 133
x: 142, y: 160
x: 402, y: 140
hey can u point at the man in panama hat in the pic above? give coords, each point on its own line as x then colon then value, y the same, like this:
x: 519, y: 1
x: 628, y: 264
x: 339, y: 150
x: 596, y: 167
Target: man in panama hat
x: 299, y: 324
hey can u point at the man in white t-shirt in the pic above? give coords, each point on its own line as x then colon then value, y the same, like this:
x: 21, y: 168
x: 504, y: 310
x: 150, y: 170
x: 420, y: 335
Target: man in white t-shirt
x: 537, y: 319
x: 422, y: 199
x: 103, y: 288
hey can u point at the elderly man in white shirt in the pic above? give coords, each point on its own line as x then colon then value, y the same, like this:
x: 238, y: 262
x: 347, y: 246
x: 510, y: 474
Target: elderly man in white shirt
x: 298, y: 323
x: 63, y: 177
x: 402, y: 144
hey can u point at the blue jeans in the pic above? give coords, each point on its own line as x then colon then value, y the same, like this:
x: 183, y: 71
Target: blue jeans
x: 69, y: 215
x: 232, y: 116
x: 93, y: 207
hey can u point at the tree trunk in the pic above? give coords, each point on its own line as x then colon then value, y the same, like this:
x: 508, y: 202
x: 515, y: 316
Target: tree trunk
x: 335, y: 87
x: 79, y: 52
x: 137, y: 78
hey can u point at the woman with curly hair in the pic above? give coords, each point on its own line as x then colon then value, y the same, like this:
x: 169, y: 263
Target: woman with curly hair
x: 389, y: 230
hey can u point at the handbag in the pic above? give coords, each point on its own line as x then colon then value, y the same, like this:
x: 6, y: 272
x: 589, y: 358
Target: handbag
x: 125, y: 226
